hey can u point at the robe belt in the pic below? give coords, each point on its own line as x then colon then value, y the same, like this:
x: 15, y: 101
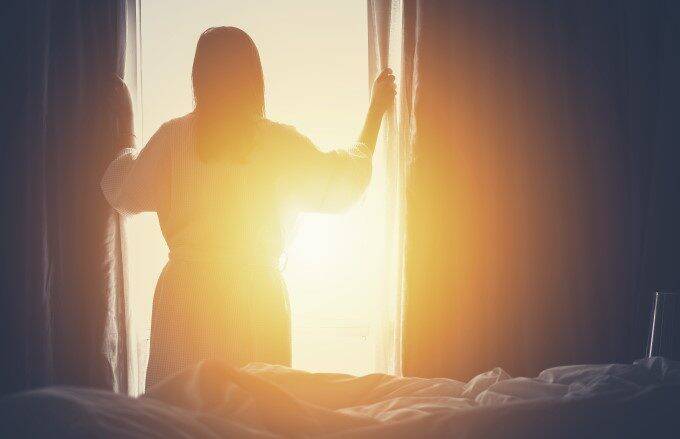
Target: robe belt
x: 220, y: 256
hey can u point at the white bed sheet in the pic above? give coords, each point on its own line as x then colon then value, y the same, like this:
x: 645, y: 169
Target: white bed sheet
x: 260, y: 400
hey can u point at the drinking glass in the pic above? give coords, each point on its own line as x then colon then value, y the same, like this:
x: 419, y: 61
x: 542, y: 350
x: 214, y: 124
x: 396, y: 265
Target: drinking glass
x: 664, y: 339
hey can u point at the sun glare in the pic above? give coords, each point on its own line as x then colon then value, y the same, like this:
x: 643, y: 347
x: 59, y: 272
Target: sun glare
x: 314, y: 56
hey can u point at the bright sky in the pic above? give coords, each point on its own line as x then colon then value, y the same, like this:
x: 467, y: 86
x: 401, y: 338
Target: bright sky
x: 314, y: 56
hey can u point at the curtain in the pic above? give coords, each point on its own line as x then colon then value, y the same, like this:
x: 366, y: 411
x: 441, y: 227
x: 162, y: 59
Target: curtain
x: 384, y: 50
x: 541, y: 193
x: 63, y: 308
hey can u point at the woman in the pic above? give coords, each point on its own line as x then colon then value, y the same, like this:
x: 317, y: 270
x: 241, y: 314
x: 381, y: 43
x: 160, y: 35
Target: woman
x: 224, y: 181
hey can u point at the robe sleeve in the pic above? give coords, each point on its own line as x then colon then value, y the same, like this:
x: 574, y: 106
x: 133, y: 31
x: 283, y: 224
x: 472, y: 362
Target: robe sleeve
x: 320, y: 181
x: 138, y: 181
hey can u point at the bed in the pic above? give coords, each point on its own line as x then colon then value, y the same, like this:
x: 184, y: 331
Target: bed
x: 213, y: 400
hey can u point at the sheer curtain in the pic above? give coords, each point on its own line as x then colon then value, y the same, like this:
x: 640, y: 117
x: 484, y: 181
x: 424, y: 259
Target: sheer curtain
x: 385, y: 50
x: 133, y: 79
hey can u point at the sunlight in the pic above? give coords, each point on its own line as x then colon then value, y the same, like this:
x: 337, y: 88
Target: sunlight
x: 314, y: 56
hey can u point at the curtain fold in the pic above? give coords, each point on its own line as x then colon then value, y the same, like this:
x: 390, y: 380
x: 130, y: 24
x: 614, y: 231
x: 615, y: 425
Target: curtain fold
x: 539, y: 195
x: 384, y: 47
x: 63, y: 304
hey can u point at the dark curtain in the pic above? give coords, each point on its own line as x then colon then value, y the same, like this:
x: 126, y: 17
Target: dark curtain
x: 543, y: 194
x: 62, y: 311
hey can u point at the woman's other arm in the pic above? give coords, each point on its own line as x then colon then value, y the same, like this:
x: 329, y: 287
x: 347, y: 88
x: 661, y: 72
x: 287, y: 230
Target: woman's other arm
x: 132, y: 183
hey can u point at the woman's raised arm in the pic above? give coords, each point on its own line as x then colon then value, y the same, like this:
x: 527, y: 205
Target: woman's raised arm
x: 332, y: 181
x: 382, y: 99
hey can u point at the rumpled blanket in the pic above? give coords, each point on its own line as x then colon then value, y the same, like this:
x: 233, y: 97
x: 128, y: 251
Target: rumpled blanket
x: 213, y: 400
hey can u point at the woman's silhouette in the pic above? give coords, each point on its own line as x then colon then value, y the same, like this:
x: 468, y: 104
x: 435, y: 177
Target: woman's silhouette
x: 224, y: 181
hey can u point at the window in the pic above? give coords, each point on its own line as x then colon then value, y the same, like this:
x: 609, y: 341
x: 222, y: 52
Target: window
x: 315, y: 62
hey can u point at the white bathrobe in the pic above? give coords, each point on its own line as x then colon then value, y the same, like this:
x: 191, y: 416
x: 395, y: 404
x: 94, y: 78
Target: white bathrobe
x: 221, y: 294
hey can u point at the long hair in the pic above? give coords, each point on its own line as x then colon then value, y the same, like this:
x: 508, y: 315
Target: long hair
x: 228, y: 86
